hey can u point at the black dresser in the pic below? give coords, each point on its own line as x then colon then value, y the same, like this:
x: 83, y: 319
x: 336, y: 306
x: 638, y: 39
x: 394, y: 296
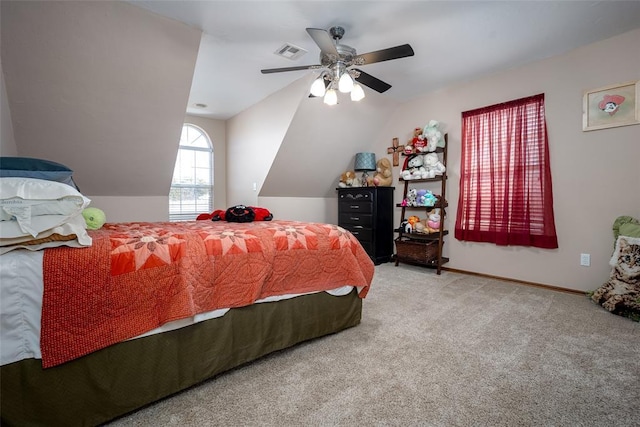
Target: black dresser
x: 367, y: 212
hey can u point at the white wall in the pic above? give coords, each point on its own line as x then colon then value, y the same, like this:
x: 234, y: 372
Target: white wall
x: 310, y: 209
x: 128, y: 209
x: 7, y: 142
x: 101, y: 87
x: 253, y: 139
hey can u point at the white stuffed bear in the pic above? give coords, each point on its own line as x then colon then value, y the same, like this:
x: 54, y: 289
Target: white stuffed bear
x: 433, y: 136
x: 415, y: 162
x: 433, y: 163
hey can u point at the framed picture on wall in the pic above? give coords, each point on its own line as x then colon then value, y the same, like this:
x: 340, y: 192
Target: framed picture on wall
x: 611, y: 106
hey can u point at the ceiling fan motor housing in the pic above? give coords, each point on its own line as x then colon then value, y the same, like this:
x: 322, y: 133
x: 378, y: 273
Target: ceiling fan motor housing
x: 346, y: 55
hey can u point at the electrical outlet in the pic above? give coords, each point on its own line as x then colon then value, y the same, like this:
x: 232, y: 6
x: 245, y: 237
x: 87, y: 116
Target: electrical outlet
x: 585, y: 260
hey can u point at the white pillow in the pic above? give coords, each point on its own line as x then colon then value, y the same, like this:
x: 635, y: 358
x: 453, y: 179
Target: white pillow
x: 72, y: 233
x: 30, y: 206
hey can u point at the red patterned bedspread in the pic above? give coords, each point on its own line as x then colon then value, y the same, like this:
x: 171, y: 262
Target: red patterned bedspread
x: 138, y: 276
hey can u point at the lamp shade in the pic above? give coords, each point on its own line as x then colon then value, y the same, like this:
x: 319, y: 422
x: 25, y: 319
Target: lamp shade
x: 365, y: 162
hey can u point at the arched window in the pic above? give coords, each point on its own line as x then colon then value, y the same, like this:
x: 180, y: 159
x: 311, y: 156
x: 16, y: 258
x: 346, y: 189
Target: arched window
x: 192, y: 184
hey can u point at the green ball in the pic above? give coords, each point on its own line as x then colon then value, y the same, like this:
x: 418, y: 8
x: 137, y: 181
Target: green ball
x: 94, y: 217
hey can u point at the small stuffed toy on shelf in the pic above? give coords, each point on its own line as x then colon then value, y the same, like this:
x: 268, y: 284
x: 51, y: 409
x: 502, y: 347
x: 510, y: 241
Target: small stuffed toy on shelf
x: 433, y: 136
x: 433, y: 222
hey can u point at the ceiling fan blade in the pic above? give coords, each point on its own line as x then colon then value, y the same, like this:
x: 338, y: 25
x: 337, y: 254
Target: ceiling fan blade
x: 280, y: 70
x: 396, y: 52
x: 372, y: 82
x: 323, y: 40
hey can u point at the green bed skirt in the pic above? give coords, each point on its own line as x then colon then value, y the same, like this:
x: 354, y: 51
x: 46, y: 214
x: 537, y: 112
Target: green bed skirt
x: 127, y: 376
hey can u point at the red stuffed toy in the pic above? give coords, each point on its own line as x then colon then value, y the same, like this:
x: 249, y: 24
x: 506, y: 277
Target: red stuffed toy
x: 262, y: 214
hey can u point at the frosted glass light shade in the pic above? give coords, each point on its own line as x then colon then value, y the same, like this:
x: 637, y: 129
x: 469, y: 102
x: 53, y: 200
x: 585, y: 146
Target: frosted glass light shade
x: 317, y: 88
x: 345, y: 84
x: 331, y: 97
x: 357, y: 93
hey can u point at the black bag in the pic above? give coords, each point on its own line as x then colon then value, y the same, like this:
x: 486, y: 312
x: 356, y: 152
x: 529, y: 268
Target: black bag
x: 240, y: 213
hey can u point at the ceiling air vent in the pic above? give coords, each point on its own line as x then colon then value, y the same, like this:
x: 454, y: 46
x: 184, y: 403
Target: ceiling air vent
x: 290, y: 51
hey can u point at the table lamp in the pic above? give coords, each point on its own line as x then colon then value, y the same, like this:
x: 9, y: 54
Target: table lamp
x: 365, y: 162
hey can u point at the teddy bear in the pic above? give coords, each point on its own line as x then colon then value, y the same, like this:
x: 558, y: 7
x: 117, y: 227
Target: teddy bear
x: 433, y: 136
x: 348, y: 179
x: 432, y: 163
x: 418, y: 142
x: 414, y: 168
x: 383, y: 176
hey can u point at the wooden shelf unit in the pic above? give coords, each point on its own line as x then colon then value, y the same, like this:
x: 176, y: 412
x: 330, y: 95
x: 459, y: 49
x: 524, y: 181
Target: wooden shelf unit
x: 424, y: 248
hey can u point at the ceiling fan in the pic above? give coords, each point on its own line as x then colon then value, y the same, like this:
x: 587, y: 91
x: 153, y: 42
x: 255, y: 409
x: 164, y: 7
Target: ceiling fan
x: 336, y: 60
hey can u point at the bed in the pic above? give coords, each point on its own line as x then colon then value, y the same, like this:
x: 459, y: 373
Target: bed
x: 145, y: 310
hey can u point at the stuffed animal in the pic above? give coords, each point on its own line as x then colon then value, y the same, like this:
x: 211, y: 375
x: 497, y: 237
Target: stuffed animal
x: 433, y: 223
x: 412, y: 196
x: 94, y: 217
x: 414, y: 169
x: 259, y: 214
x: 433, y: 136
x: 348, y: 179
x: 415, y: 162
x: 421, y: 197
x: 425, y: 198
x: 433, y: 163
x: 417, y: 143
x: 413, y: 220
x: 383, y: 176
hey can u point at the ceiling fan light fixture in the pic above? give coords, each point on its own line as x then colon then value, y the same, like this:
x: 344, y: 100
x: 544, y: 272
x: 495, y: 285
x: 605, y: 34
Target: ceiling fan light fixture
x: 345, y: 84
x: 331, y: 97
x: 318, y: 88
x: 357, y: 93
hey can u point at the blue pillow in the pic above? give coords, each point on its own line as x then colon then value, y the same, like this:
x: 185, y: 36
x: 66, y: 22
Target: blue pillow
x: 27, y: 167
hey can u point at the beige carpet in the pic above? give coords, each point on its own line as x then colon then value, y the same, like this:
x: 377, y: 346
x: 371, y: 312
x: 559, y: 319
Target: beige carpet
x: 449, y: 350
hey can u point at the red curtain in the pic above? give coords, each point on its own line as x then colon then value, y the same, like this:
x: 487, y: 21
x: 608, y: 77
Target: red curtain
x: 505, y: 176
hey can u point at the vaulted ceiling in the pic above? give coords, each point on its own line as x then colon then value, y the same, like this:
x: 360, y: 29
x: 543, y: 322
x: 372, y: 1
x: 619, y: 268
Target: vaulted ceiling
x: 453, y: 41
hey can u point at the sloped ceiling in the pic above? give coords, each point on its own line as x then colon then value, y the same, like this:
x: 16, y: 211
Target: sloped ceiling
x: 101, y: 87
x: 321, y: 143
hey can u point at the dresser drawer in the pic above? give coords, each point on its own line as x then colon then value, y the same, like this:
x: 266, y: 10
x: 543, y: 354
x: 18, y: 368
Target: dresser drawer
x: 355, y: 206
x: 356, y: 218
x: 356, y: 195
x: 363, y: 234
